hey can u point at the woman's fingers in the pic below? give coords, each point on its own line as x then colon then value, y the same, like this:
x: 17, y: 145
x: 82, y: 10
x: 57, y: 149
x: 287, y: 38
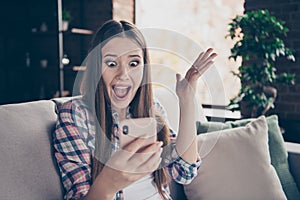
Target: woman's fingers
x: 200, y: 65
x: 149, y: 163
x: 206, y: 58
x: 134, y: 156
x: 134, y: 145
x: 123, y: 155
x: 207, y: 54
x: 178, y: 77
x: 136, y: 160
x: 205, y: 66
x: 142, y: 145
x: 190, y: 72
x: 147, y: 152
x: 199, y: 57
x: 203, y: 56
x: 203, y: 62
x: 202, y: 70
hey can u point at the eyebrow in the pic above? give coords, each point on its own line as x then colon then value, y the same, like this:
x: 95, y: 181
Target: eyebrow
x: 135, y: 55
x: 114, y: 55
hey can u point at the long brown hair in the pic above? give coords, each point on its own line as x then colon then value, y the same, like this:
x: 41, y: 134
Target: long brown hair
x: 95, y: 95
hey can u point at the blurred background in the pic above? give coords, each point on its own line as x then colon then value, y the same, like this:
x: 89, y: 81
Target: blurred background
x: 31, y: 51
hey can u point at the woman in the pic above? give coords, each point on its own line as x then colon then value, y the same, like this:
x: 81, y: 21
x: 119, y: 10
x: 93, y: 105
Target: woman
x: 117, y: 86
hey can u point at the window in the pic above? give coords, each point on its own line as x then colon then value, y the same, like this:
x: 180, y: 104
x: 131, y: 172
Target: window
x: 203, y: 24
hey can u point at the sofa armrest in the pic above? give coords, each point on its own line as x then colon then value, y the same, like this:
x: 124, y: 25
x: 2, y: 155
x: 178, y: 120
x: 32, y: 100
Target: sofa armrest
x: 294, y: 160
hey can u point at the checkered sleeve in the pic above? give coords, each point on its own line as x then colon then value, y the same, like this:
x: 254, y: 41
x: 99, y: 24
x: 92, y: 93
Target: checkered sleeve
x: 179, y: 170
x: 71, y: 151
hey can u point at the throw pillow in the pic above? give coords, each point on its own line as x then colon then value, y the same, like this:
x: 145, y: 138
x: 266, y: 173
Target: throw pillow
x: 237, y: 165
x: 278, y: 152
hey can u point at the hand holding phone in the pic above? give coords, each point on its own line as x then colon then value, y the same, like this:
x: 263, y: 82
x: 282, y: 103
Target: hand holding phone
x: 130, y: 129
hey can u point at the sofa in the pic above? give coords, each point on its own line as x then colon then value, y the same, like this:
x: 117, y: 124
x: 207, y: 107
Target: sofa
x: 28, y: 169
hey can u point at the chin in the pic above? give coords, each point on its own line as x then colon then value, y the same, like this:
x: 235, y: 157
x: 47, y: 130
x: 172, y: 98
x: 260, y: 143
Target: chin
x: 120, y: 104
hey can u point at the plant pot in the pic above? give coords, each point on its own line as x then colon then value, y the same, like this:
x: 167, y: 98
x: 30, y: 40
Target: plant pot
x: 270, y: 93
x: 65, y: 25
x: 248, y: 111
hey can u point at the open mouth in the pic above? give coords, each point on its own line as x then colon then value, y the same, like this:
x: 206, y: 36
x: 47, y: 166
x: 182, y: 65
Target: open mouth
x: 121, y: 91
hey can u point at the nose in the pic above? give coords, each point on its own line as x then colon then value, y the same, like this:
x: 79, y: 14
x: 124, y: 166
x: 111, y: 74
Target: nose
x: 123, y: 72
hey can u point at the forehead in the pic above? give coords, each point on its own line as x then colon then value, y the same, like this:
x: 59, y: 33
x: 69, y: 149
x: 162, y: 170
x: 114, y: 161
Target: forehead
x: 121, y: 46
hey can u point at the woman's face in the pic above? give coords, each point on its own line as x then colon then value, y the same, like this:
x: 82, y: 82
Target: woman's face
x: 122, y: 70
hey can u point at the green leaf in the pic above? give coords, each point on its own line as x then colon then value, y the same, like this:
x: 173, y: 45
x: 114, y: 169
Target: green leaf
x: 259, y: 41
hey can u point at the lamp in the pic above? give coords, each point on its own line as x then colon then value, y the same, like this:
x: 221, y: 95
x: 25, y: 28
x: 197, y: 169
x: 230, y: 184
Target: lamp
x: 65, y: 59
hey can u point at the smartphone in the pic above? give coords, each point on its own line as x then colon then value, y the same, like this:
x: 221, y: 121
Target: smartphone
x: 130, y: 129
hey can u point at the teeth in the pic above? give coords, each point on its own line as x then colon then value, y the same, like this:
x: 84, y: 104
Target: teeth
x: 121, y: 91
x: 121, y: 87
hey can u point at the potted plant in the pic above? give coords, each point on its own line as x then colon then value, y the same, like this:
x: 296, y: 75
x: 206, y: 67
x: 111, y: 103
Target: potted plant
x: 259, y: 42
x: 66, y: 18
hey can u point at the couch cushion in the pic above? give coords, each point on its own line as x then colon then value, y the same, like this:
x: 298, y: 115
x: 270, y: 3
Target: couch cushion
x: 236, y: 165
x: 27, y: 168
x: 278, y: 152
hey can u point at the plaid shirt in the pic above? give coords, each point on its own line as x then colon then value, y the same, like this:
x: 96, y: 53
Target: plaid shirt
x: 74, y: 144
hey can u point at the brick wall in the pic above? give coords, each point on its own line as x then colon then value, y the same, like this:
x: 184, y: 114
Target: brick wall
x: 288, y: 101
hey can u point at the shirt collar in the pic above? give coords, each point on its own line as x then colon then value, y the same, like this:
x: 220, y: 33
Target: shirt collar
x: 115, y: 115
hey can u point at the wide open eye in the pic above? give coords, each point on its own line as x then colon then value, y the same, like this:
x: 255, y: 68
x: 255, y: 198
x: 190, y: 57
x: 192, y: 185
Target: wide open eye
x: 110, y: 63
x: 134, y: 63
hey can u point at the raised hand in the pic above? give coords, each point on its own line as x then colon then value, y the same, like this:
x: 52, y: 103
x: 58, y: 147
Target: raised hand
x: 186, y: 87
